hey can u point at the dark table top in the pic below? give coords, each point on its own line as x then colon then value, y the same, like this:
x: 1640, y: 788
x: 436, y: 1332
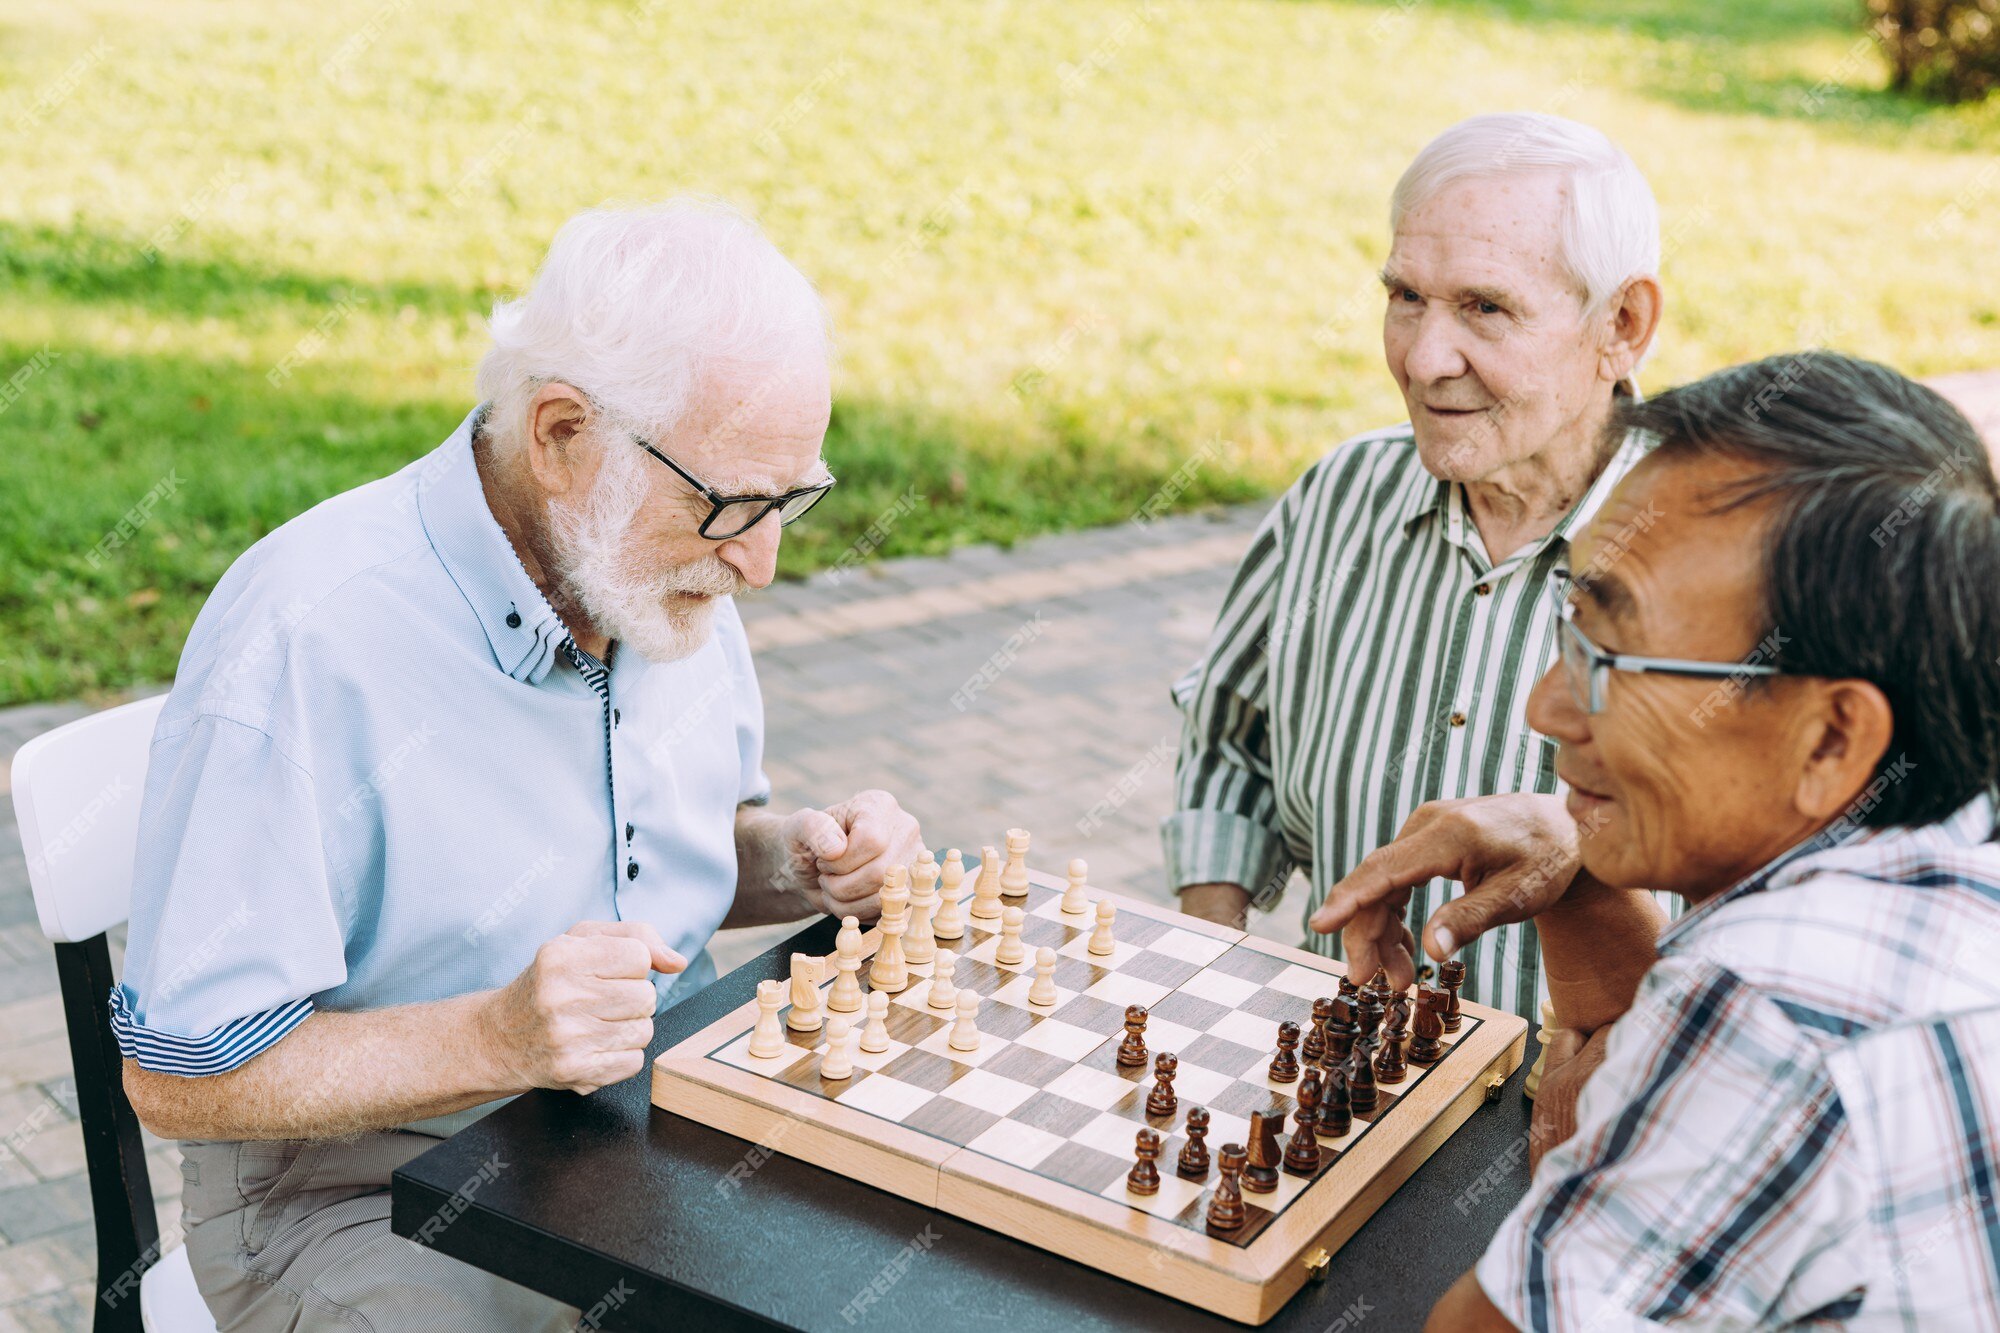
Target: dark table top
x: 649, y: 1220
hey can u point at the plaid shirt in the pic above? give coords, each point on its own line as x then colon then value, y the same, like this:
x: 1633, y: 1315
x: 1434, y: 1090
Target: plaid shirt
x: 1798, y: 1122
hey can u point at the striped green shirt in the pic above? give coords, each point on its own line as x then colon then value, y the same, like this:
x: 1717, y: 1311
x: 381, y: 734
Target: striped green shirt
x: 1369, y: 658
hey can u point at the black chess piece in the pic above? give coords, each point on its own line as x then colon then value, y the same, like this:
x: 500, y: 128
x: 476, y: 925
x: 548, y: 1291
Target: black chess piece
x: 1193, y: 1164
x: 1336, y: 1115
x: 1161, y: 1100
x: 1425, y: 1046
x: 1361, y: 1080
x: 1144, y: 1177
x: 1451, y: 975
x: 1260, y: 1176
x: 1225, y: 1205
x: 1285, y: 1064
x: 1314, y: 1049
x: 1389, y: 1066
x: 1302, y: 1151
x: 1132, y: 1050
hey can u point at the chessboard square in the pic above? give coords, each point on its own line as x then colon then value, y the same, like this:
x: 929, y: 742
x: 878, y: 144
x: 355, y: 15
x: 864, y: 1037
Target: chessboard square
x: 1159, y: 969
x: 1139, y: 930
x: 1065, y: 1041
x: 1251, y: 965
x: 1005, y: 1020
x: 939, y: 1043
x: 1092, y: 1087
x: 979, y: 978
x: 910, y: 1026
x: 1189, y: 1010
x: 737, y: 1053
x: 877, y: 1060
x: 1305, y: 982
x: 1122, y: 952
x: 1225, y: 1057
x: 805, y: 1076
x: 981, y: 952
x: 1200, y: 1086
x: 1173, y: 1198
x: 1165, y: 1035
x: 924, y: 1070
x: 1017, y: 1144
x: 1246, y: 1029
x: 1024, y: 1064
x: 1084, y: 1167
x: 1289, y: 1188
x: 1223, y: 989
x: 1076, y: 976
x: 1016, y: 991
x: 885, y: 1097
x: 1121, y: 989
x: 1224, y: 1127
x: 807, y: 1039
x: 1279, y: 1007
x: 1240, y: 1099
x: 952, y: 1121
x: 1053, y: 1114
x: 1036, y: 933
x: 1112, y: 1134
x: 1094, y: 1015
x: 1189, y: 947
x: 989, y: 1091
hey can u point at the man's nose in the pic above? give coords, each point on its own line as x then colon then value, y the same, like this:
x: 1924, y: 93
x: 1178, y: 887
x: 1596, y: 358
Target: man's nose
x: 1553, y: 710
x: 1434, y: 352
x: 754, y: 554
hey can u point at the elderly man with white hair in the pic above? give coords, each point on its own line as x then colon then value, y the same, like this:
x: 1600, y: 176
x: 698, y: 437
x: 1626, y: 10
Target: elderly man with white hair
x: 1373, y: 658
x: 463, y: 768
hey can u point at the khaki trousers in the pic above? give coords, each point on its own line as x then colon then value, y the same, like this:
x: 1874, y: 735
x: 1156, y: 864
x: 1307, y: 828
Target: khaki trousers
x: 293, y: 1236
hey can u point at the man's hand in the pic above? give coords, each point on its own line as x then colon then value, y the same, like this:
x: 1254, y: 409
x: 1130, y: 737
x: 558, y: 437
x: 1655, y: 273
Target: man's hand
x: 1514, y: 854
x: 1571, y: 1061
x: 1224, y: 904
x: 580, y: 1015
x: 836, y: 857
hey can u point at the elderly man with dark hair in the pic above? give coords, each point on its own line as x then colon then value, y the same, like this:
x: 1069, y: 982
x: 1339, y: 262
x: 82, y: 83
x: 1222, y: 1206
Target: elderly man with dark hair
x: 1779, y: 700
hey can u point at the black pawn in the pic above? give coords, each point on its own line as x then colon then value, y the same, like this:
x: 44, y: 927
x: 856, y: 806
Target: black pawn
x: 1161, y: 1100
x: 1132, y: 1050
x: 1225, y: 1205
x: 1144, y: 1177
x: 1302, y: 1152
x: 1314, y: 1049
x: 1193, y: 1164
x: 1285, y: 1064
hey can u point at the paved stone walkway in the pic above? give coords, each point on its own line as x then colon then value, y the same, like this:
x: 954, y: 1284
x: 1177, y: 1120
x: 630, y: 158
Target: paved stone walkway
x: 988, y: 689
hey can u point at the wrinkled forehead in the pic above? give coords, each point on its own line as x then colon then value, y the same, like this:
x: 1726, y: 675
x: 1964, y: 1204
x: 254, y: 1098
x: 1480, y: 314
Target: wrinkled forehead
x: 758, y: 428
x: 1503, y: 229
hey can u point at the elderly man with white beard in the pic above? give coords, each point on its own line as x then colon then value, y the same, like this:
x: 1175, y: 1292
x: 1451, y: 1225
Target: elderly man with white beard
x: 463, y: 768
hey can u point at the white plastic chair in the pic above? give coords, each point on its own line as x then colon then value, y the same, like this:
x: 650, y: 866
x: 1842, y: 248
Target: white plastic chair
x: 76, y: 797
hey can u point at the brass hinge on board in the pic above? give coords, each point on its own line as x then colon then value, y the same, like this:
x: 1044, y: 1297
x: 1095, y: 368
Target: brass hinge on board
x: 1318, y: 1264
x: 1493, y: 1086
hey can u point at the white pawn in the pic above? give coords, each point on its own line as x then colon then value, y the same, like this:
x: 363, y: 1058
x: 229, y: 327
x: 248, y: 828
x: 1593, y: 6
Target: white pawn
x: 875, y: 1036
x: 1010, y: 952
x: 845, y: 997
x: 949, y: 923
x: 1074, y: 902
x: 805, y: 1015
x: 838, y: 1062
x: 944, y: 995
x: 918, y: 945
x: 1043, y: 992
x: 986, y: 889
x: 769, y: 1038
x: 1101, y: 942
x: 965, y: 1032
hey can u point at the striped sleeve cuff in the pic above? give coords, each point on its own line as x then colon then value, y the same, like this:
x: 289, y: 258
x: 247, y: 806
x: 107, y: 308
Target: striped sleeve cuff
x: 215, y: 1052
x: 1217, y: 846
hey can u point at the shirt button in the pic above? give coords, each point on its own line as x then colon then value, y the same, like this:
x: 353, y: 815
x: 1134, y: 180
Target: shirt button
x: 631, y: 870
x: 1458, y: 719
x: 628, y: 833
x: 513, y: 620
x: 1483, y: 588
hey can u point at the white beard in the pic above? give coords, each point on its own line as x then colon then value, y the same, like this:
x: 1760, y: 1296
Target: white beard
x: 600, y: 575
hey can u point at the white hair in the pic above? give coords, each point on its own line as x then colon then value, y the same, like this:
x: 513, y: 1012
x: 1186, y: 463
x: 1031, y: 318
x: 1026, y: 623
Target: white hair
x: 634, y: 306
x: 1610, y: 225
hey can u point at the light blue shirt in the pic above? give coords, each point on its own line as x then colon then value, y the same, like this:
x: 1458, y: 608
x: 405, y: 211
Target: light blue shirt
x: 378, y: 780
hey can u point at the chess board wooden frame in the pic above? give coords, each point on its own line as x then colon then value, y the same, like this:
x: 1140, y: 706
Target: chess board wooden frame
x: 1246, y: 1282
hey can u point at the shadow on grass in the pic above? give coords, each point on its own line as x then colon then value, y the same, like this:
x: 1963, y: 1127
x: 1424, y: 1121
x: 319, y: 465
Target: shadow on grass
x: 212, y: 457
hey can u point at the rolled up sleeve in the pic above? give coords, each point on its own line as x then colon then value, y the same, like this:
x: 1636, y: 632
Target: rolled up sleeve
x: 1224, y: 826
x: 234, y: 926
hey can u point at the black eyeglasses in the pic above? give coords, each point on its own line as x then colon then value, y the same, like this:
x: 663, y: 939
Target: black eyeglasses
x: 733, y: 515
x: 1586, y: 666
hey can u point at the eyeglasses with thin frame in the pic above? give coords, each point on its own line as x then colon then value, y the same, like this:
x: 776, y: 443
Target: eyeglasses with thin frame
x: 1586, y: 666
x: 733, y: 515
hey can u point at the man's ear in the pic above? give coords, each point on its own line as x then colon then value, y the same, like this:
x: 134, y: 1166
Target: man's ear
x: 1633, y: 319
x: 1852, y: 725
x: 555, y: 414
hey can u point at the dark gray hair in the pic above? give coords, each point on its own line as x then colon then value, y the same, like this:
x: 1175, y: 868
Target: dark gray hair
x: 1882, y: 560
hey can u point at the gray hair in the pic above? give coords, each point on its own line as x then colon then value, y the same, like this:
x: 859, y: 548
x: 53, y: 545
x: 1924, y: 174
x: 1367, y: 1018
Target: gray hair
x: 1610, y: 225
x: 635, y: 306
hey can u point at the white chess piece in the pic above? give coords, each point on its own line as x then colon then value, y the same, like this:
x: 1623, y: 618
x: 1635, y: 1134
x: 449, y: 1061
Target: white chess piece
x: 944, y: 995
x: 806, y: 1013
x: 891, y: 971
x: 1074, y: 901
x: 1014, y: 876
x: 875, y: 1036
x: 838, y: 1062
x: 918, y: 945
x: 949, y: 923
x: 965, y: 1031
x: 845, y: 998
x: 768, y: 1039
x: 986, y: 889
x: 1101, y: 942
x: 1010, y: 952
x: 1043, y: 992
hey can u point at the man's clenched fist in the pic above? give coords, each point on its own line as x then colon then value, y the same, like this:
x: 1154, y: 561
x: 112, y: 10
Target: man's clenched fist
x: 580, y: 1016
x: 835, y: 857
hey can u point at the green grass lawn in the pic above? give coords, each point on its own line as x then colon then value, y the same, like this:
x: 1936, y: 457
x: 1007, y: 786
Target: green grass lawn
x: 245, y: 248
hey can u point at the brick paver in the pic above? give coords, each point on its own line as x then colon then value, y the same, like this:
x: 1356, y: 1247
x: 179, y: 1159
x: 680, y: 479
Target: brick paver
x: 988, y: 689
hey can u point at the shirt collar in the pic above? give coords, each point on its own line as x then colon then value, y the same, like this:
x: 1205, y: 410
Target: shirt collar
x: 1968, y: 826
x: 522, y: 628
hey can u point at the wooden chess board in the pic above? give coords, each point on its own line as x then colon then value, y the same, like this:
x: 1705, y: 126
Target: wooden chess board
x: 1032, y: 1134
